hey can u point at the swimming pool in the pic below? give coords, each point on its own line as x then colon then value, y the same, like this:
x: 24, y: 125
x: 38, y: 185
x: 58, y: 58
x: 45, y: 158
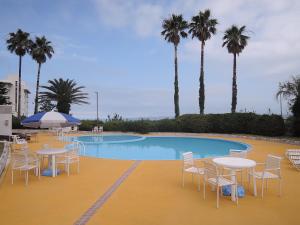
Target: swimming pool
x: 134, y: 147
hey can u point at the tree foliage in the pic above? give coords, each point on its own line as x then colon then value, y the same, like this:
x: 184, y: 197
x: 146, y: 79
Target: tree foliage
x: 235, y: 40
x: 64, y: 93
x: 4, y: 99
x: 202, y: 27
x: 173, y: 30
x: 19, y: 44
x: 290, y: 90
x: 40, y: 50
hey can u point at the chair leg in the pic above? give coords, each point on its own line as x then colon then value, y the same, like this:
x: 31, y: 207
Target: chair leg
x: 199, y: 182
x: 217, y: 196
x: 204, y: 189
x: 242, y: 177
x: 26, y: 177
x: 68, y: 168
x: 39, y: 169
x: 78, y: 167
x: 249, y: 181
x: 262, y: 188
x: 280, y: 187
x: 236, y: 194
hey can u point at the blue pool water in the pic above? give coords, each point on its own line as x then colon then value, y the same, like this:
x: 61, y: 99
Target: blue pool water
x: 155, y: 148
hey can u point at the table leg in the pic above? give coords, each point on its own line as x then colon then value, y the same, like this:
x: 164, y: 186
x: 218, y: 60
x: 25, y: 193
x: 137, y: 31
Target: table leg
x: 254, y: 182
x: 233, y: 179
x: 53, y: 166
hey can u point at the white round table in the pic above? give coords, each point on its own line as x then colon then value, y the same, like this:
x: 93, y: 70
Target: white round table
x: 52, y: 152
x: 235, y: 163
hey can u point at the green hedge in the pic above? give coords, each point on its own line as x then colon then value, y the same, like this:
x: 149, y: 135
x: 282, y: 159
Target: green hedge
x: 88, y: 125
x: 241, y: 123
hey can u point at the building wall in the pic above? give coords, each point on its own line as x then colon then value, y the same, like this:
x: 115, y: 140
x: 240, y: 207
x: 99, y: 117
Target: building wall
x: 5, y: 120
x: 13, y: 91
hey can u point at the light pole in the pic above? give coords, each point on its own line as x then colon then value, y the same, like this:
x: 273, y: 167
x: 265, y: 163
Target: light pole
x: 280, y: 105
x: 97, y: 108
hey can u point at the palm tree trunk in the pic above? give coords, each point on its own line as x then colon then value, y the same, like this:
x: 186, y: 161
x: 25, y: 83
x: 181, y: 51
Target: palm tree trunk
x: 176, y: 89
x: 201, y: 80
x: 20, y: 92
x: 36, y: 106
x: 234, y: 86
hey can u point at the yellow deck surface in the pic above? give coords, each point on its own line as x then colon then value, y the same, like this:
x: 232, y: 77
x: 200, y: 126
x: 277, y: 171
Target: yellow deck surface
x: 151, y: 195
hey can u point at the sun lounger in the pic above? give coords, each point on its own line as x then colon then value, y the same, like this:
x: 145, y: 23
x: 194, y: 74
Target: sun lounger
x: 294, y: 156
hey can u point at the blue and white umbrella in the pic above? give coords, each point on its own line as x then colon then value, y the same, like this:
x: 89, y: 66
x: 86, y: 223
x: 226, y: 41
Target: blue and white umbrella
x: 50, y: 120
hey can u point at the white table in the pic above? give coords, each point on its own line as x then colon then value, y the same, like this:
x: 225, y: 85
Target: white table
x: 235, y: 163
x: 52, y: 152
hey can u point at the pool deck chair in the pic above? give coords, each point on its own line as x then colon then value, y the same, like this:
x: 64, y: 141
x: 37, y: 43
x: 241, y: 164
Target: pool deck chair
x: 293, y: 156
x: 212, y: 177
x: 190, y: 167
x: 70, y: 157
x: 238, y: 154
x: 271, y: 170
x: 24, y: 161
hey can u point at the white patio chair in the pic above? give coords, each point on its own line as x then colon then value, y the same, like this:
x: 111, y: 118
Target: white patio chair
x: 238, y: 154
x: 190, y: 167
x: 294, y: 157
x: 70, y: 157
x: 24, y: 161
x: 212, y: 177
x: 100, y: 129
x: 95, y: 130
x: 271, y: 170
x: 292, y: 152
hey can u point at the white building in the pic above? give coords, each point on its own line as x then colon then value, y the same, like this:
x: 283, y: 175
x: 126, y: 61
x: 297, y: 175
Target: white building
x: 5, y: 120
x: 12, y: 82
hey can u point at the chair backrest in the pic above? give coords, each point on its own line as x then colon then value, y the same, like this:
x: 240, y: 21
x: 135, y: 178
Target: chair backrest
x: 210, y: 170
x: 238, y: 153
x: 188, y: 159
x: 273, y: 162
x: 80, y: 145
x: 20, y: 158
x: 74, y: 149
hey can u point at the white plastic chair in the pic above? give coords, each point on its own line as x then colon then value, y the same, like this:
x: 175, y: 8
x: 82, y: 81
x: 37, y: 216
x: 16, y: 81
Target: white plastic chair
x: 24, y: 161
x: 212, y: 176
x: 70, y: 157
x: 190, y: 167
x: 238, y: 154
x: 100, y: 129
x: 294, y: 157
x: 271, y: 170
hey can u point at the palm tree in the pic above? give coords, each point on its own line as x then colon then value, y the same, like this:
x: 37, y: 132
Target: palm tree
x: 174, y: 29
x: 235, y: 40
x: 40, y: 50
x: 290, y: 90
x: 64, y: 93
x: 202, y: 27
x: 19, y: 43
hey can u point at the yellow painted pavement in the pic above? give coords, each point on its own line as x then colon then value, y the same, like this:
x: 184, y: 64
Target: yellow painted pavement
x: 152, y: 194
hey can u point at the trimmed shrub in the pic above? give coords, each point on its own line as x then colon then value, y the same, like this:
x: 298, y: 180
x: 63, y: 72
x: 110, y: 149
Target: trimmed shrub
x: 16, y: 123
x: 241, y: 123
x: 88, y: 125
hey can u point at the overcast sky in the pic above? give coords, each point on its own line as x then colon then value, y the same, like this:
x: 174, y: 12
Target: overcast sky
x: 115, y: 47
